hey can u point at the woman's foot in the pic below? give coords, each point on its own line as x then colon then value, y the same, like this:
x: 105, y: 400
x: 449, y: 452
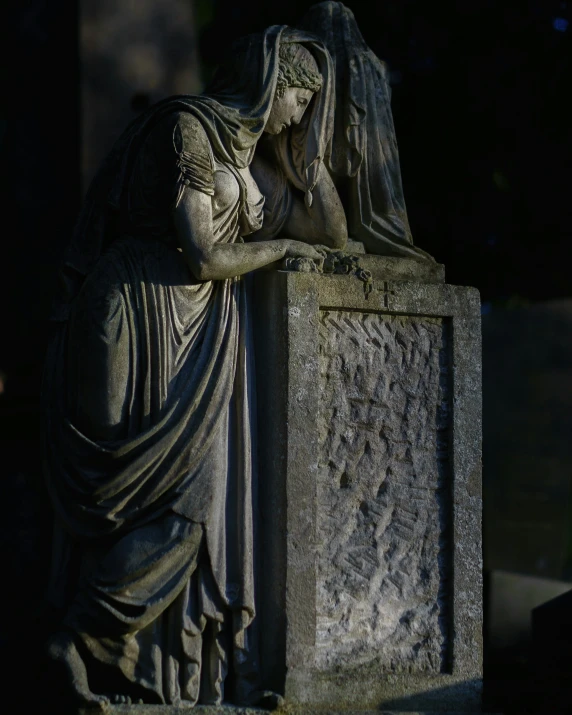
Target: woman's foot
x: 121, y: 700
x: 63, y: 653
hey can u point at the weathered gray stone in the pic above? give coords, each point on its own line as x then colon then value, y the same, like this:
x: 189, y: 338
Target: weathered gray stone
x: 233, y: 710
x: 407, y: 270
x: 373, y: 549
x: 364, y: 158
x: 174, y: 710
x: 149, y: 427
x: 383, y: 502
x: 368, y: 595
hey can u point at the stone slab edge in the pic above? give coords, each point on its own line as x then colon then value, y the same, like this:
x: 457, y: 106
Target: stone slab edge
x: 402, y: 269
x: 405, y: 270
x: 234, y: 710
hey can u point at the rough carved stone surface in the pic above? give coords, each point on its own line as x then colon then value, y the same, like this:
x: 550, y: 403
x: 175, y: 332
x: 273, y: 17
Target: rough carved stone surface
x: 383, y: 492
x: 232, y: 710
x: 176, y: 710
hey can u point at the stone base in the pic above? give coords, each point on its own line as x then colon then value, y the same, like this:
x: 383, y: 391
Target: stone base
x: 389, y: 268
x: 234, y: 710
x: 369, y: 445
x: 174, y: 710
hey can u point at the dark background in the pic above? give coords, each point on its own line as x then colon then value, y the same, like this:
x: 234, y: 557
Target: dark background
x: 481, y: 103
x: 482, y: 110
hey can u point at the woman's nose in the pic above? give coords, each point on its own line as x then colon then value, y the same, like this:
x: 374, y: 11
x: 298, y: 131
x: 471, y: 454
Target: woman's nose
x: 298, y: 116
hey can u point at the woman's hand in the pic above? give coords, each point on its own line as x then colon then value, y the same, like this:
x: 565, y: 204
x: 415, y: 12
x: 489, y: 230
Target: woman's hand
x: 324, y: 250
x: 299, y: 249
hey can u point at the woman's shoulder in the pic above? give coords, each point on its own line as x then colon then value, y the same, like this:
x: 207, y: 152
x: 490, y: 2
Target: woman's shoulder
x: 183, y: 132
x: 188, y: 134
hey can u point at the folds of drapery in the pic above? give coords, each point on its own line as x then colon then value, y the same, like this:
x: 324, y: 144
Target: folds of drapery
x: 148, y: 618
x: 184, y: 457
x: 186, y: 430
x: 186, y: 361
x: 363, y: 154
x: 233, y: 112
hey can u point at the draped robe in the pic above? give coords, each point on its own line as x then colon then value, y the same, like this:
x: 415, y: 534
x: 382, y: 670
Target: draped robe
x: 153, y: 486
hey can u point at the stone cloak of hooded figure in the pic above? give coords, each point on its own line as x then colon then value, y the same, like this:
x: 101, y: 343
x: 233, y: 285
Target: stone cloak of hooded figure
x: 363, y: 158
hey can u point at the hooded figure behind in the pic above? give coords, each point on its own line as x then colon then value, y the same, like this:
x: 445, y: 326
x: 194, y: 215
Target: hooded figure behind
x: 148, y: 400
x: 363, y: 157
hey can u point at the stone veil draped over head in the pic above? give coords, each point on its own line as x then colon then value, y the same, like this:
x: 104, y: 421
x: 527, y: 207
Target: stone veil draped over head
x: 179, y: 357
x: 233, y: 111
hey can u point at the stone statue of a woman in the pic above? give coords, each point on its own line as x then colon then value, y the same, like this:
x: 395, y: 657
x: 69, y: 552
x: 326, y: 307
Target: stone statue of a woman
x: 149, y: 380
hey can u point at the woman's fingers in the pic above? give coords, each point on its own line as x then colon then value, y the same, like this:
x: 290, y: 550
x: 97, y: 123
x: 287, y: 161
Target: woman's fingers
x: 313, y: 253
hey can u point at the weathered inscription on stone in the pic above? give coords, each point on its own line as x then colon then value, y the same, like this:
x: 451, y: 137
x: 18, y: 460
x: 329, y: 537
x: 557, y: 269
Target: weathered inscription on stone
x: 383, y: 492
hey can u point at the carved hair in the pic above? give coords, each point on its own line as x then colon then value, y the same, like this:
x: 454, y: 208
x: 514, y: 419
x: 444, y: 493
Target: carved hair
x: 297, y: 68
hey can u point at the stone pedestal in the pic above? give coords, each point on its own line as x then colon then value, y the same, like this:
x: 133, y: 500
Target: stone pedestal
x: 235, y: 710
x: 370, y: 479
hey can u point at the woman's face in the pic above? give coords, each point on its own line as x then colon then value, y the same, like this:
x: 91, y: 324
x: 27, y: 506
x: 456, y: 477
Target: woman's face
x: 288, y: 109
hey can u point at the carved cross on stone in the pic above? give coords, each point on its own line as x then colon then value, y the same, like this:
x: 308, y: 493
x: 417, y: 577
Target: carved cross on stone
x: 384, y: 288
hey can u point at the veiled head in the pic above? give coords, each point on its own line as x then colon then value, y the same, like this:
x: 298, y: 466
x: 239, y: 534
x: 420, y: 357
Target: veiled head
x: 298, y: 80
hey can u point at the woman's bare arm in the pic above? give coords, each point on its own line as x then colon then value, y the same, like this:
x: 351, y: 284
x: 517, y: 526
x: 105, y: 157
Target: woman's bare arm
x: 214, y: 261
x: 324, y: 222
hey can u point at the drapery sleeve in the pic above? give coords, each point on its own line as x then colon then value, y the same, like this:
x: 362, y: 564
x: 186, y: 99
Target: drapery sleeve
x: 175, y: 155
x: 194, y: 158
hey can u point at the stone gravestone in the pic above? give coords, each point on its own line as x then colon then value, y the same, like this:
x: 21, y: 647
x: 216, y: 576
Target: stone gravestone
x: 370, y: 466
x: 364, y: 571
